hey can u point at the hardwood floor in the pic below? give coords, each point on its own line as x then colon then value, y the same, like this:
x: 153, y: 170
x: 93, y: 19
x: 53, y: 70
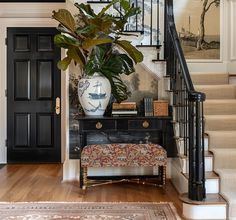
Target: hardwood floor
x: 43, y: 182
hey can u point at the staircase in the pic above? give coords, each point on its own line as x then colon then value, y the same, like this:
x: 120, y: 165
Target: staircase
x: 220, y: 128
x: 201, y: 177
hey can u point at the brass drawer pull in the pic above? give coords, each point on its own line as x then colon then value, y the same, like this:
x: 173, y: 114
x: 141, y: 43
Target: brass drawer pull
x: 98, y: 125
x: 145, y: 124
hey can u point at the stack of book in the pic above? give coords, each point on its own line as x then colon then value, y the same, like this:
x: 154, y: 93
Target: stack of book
x: 124, y: 109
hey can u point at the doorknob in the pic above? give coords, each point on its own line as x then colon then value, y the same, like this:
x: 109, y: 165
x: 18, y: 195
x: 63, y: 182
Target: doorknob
x: 58, y: 106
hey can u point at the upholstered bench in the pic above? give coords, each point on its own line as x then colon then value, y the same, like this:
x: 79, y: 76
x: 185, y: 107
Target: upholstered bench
x: 123, y: 155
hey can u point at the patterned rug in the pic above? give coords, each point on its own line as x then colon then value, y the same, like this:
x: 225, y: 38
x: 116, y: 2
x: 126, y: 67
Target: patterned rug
x: 87, y: 211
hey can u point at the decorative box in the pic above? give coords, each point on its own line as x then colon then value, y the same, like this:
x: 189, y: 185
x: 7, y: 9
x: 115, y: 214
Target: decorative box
x: 160, y: 108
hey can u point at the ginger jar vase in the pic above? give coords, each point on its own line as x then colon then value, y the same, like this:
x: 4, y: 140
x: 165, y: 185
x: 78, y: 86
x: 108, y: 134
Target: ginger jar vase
x: 94, y: 93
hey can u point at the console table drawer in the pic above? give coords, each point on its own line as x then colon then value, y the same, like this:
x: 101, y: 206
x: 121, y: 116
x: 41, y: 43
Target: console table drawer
x: 143, y: 124
x: 92, y: 125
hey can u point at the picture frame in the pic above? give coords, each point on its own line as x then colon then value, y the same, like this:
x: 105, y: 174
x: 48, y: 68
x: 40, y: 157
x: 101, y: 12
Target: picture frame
x: 199, y: 27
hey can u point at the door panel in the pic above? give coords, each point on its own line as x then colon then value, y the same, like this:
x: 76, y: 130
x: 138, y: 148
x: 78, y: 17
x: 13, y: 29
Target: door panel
x: 22, y: 80
x: 33, y: 83
x: 22, y: 130
x: 44, y: 85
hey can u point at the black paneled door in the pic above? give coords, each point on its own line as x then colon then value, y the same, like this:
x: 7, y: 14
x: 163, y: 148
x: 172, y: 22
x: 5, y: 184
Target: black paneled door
x: 33, y: 93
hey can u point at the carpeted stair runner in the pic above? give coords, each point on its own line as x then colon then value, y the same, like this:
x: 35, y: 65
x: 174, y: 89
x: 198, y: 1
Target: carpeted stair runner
x: 220, y: 122
x: 217, y: 91
x: 221, y: 139
x: 224, y: 158
x: 229, y: 190
x: 220, y: 106
x: 210, y: 78
x: 220, y: 126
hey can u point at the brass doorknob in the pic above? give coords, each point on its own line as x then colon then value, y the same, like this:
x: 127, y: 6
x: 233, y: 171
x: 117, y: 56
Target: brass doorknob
x: 145, y: 124
x: 58, y: 106
x: 98, y: 125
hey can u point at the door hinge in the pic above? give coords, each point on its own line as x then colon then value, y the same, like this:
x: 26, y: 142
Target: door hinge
x: 6, y: 92
x: 6, y: 41
x: 6, y: 143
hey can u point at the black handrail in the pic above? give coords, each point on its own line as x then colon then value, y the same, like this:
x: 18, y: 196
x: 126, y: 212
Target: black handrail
x: 187, y: 107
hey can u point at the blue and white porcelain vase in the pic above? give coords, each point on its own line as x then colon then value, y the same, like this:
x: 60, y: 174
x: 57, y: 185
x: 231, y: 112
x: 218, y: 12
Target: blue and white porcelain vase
x: 94, y: 93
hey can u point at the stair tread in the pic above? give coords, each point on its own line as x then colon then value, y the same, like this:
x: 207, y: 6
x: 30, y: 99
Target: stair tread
x: 220, y: 101
x: 224, y: 151
x: 211, y: 198
x: 226, y: 172
x: 215, y: 86
x: 204, y: 74
x: 233, y: 132
x: 208, y: 175
x: 220, y: 116
x: 207, y: 79
x: 207, y: 154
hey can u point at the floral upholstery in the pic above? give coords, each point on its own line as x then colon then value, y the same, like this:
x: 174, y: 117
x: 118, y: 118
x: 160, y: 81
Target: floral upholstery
x: 123, y: 155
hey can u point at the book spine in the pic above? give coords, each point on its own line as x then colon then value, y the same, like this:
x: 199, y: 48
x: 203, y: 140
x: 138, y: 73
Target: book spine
x: 123, y: 106
x: 148, y: 106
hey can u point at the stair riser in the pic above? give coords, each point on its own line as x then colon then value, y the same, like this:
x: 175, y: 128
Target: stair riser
x: 224, y: 158
x: 208, y: 164
x: 191, y: 211
x: 180, y: 145
x: 220, y: 125
x: 219, y: 108
x: 210, y: 79
x: 216, y: 93
x: 219, y: 142
x: 181, y: 182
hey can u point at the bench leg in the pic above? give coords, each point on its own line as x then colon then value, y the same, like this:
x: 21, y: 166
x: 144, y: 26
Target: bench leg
x: 163, y: 174
x: 84, y: 178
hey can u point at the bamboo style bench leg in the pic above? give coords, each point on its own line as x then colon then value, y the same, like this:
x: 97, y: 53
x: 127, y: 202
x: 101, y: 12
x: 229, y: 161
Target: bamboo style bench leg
x: 84, y: 173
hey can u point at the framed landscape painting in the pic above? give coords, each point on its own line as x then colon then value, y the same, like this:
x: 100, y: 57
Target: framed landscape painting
x: 198, y: 26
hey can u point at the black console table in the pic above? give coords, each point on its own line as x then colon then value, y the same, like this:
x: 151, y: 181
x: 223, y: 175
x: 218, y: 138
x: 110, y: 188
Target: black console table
x: 134, y: 129
x: 157, y: 127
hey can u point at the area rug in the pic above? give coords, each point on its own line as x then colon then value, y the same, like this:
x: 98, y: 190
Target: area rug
x: 87, y: 211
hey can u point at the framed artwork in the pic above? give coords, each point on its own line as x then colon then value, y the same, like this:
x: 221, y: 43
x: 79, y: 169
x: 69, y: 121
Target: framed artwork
x: 198, y: 26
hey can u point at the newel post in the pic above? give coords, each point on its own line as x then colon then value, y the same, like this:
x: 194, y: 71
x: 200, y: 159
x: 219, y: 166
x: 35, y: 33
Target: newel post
x: 196, y: 184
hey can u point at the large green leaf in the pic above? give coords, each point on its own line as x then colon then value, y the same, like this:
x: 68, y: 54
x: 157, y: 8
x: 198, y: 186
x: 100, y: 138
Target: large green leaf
x: 103, y: 11
x: 125, y: 5
x: 111, y: 64
x: 86, y: 9
x: 75, y: 54
x: 63, y: 41
x: 135, y: 54
x: 97, y: 58
x: 65, y: 18
x: 87, y: 30
x: 127, y: 64
x: 102, y: 24
x: 118, y: 88
x: 63, y: 64
x: 89, y: 43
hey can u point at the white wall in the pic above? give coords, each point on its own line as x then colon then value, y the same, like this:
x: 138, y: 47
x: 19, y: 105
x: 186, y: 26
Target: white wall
x: 232, y: 36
